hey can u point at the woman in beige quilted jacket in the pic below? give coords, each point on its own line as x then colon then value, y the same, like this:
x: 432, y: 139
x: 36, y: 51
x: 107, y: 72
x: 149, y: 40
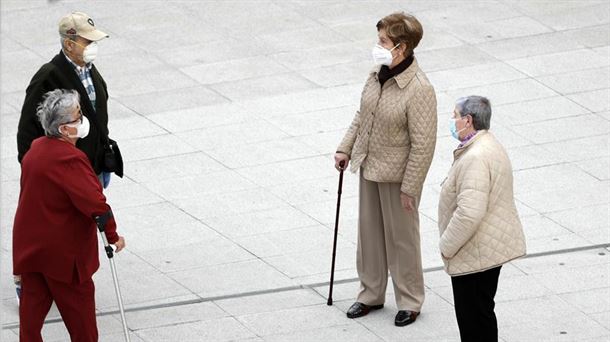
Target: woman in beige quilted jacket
x: 391, y: 141
x: 478, y: 221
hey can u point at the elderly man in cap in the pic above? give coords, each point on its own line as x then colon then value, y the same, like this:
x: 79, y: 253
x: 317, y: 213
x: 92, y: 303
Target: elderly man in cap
x: 72, y: 68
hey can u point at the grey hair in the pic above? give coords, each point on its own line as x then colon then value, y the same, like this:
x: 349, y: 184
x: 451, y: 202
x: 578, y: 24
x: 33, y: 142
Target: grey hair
x: 56, y: 109
x: 63, y: 37
x: 478, y: 107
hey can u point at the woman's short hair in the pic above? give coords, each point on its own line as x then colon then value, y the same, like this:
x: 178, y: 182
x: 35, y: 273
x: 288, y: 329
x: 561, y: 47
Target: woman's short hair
x: 56, y: 109
x: 478, y: 107
x: 402, y: 28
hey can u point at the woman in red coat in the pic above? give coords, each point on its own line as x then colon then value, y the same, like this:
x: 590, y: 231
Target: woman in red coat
x: 55, y: 247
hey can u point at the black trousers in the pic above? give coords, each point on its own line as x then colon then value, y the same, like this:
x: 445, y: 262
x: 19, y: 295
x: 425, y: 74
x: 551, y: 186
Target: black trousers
x: 473, y: 295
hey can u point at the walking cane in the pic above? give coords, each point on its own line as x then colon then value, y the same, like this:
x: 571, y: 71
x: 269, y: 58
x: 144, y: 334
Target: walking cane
x: 101, y: 226
x: 332, y: 268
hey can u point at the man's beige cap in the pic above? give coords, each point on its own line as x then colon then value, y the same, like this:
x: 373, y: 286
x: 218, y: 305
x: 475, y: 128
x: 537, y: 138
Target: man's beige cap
x: 80, y: 24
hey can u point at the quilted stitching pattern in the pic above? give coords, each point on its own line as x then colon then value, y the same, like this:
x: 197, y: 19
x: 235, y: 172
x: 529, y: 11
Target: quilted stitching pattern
x: 478, y: 219
x: 393, y: 135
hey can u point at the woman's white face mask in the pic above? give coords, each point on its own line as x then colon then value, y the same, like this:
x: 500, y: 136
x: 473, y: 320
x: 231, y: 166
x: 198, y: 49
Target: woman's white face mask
x: 382, y: 55
x: 82, y: 129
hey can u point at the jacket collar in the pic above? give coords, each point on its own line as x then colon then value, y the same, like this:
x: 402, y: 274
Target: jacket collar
x: 77, y: 67
x: 402, y: 79
x: 65, y: 66
x: 460, y: 150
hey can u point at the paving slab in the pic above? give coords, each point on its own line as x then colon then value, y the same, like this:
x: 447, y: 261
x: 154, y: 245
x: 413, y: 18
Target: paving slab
x: 559, y: 62
x: 222, y: 329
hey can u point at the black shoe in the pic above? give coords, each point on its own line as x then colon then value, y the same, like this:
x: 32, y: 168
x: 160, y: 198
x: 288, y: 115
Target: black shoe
x: 358, y: 309
x: 405, y: 317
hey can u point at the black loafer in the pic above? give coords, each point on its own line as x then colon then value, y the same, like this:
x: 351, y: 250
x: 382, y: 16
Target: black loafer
x: 405, y: 317
x: 358, y: 309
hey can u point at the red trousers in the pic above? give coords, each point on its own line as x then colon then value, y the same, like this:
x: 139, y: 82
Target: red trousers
x: 75, y: 301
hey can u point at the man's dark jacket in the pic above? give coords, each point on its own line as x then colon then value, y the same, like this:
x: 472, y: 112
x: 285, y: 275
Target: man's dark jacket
x: 59, y: 73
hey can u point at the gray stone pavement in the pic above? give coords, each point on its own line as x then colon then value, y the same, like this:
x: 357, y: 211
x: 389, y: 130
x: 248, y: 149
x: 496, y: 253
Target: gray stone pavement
x: 228, y: 113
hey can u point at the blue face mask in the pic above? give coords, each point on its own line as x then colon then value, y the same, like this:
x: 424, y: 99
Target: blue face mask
x: 453, y: 128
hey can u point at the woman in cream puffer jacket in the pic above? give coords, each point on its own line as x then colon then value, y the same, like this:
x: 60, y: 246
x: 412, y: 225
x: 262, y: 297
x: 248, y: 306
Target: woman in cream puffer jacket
x: 478, y: 221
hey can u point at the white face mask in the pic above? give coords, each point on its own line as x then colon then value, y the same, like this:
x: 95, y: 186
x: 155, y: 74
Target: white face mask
x: 82, y: 129
x: 382, y: 55
x: 90, y: 52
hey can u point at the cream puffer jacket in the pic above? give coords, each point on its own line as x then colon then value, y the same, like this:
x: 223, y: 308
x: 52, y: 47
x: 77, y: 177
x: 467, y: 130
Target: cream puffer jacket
x: 477, y: 217
x: 393, y: 135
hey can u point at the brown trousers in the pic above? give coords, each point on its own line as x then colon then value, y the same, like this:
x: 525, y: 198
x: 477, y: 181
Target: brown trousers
x: 388, y: 238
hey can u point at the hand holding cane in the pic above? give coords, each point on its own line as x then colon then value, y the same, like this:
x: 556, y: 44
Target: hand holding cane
x: 101, y: 221
x: 332, y: 269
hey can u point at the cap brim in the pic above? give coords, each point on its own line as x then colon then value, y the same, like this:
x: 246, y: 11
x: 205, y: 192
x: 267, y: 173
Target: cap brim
x: 94, y: 35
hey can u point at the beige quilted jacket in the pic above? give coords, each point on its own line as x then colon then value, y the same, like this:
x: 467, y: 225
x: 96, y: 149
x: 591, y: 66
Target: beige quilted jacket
x: 477, y: 217
x: 393, y: 135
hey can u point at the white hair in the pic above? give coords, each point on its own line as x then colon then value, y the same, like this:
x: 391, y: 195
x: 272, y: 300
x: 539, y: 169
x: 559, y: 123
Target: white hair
x: 56, y: 109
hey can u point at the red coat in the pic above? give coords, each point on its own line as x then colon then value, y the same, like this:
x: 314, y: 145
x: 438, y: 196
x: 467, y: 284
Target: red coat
x: 54, y: 232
